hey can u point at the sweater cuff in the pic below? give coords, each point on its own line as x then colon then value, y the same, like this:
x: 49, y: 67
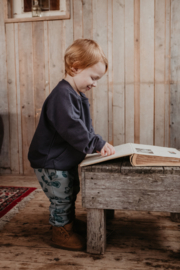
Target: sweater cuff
x: 100, y: 144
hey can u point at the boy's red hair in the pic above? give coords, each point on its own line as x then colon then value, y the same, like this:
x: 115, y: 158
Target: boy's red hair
x: 83, y: 53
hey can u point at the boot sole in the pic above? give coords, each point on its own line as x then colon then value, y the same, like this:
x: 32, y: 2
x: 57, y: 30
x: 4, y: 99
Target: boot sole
x: 66, y: 248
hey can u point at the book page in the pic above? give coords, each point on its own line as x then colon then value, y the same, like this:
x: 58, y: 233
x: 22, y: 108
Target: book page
x: 152, y: 150
x: 121, y: 151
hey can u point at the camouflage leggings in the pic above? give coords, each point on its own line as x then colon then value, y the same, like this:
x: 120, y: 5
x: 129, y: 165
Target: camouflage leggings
x: 61, y: 187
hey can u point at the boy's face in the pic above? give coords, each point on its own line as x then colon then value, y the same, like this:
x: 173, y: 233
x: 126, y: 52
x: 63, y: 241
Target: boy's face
x: 85, y: 79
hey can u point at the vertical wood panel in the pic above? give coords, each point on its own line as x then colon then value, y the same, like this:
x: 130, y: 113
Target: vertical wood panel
x: 101, y: 92
x: 167, y: 73
x: 118, y: 71
x: 56, y: 67
x: 38, y: 67
x: 69, y: 27
x: 87, y: 13
x: 159, y: 50
x: 77, y: 8
x: 88, y: 33
x: 146, y: 71
x: 129, y: 71
x: 46, y: 59
x: 110, y: 73
x: 27, y: 90
x: 136, y: 71
x: 19, y: 117
x: 4, y: 110
x: 175, y: 74
x: 159, y: 114
x: 11, y: 86
x: 63, y: 47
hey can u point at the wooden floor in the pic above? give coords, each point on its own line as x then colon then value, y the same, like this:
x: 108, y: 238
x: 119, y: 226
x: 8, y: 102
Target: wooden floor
x: 136, y: 240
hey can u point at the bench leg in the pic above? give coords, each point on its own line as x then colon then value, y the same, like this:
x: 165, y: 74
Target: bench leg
x: 109, y: 214
x: 175, y: 217
x: 96, y: 231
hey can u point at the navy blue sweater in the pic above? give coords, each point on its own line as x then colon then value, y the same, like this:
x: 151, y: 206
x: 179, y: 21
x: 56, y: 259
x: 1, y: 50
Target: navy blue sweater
x: 64, y: 134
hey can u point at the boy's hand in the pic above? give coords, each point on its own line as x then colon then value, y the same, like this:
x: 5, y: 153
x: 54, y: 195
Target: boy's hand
x: 107, y: 150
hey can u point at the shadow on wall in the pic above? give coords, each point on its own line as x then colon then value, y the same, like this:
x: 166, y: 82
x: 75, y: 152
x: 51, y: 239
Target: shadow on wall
x: 1, y: 133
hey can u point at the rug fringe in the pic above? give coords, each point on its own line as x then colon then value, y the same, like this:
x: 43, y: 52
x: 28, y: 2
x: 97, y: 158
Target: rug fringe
x: 7, y: 217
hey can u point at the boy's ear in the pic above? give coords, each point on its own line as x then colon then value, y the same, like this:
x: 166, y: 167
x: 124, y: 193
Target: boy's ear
x: 75, y: 68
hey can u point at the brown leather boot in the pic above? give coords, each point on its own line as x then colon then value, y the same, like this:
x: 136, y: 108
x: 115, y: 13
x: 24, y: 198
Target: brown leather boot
x: 65, y: 238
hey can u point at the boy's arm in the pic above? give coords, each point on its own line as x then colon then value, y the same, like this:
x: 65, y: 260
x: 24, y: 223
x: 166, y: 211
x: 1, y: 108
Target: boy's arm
x: 65, y: 118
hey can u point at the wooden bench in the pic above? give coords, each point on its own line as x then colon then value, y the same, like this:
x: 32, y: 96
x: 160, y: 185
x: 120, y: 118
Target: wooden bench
x: 115, y: 184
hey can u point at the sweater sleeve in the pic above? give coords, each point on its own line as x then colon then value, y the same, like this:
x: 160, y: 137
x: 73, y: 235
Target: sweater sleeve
x: 64, y: 116
x: 92, y: 130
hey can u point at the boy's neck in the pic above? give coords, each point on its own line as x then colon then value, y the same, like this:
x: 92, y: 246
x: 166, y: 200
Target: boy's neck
x: 70, y: 80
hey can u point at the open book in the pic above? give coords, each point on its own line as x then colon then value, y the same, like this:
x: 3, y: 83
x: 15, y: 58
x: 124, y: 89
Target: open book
x: 140, y: 155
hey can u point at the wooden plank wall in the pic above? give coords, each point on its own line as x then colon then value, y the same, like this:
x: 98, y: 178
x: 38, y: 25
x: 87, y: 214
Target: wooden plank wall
x: 136, y: 101
x: 4, y: 114
x: 175, y: 74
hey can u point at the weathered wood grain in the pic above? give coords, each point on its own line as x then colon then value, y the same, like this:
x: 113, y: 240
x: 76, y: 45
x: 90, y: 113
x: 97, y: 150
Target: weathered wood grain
x: 12, y: 96
x: 112, y: 181
x: 175, y: 74
x: 132, y: 188
x: 56, y: 67
x: 146, y: 71
x: 4, y: 110
x: 167, y: 72
x: 100, y: 93
x: 138, y: 200
x: 118, y: 72
x: 18, y: 100
x: 129, y: 71
x: 26, y: 73
x: 39, y: 68
x: 96, y: 231
x: 83, y: 182
x: 159, y: 50
x: 110, y: 71
x: 87, y: 19
x: 136, y: 71
x: 141, y: 170
x: 87, y: 32
x: 46, y: 60
x: 123, y: 166
x: 69, y: 27
x: 172, y: 170
x: 77, y: 19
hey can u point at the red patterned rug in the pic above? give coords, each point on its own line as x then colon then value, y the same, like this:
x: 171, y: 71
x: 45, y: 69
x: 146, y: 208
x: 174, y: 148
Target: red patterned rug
x: 11, y: 196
